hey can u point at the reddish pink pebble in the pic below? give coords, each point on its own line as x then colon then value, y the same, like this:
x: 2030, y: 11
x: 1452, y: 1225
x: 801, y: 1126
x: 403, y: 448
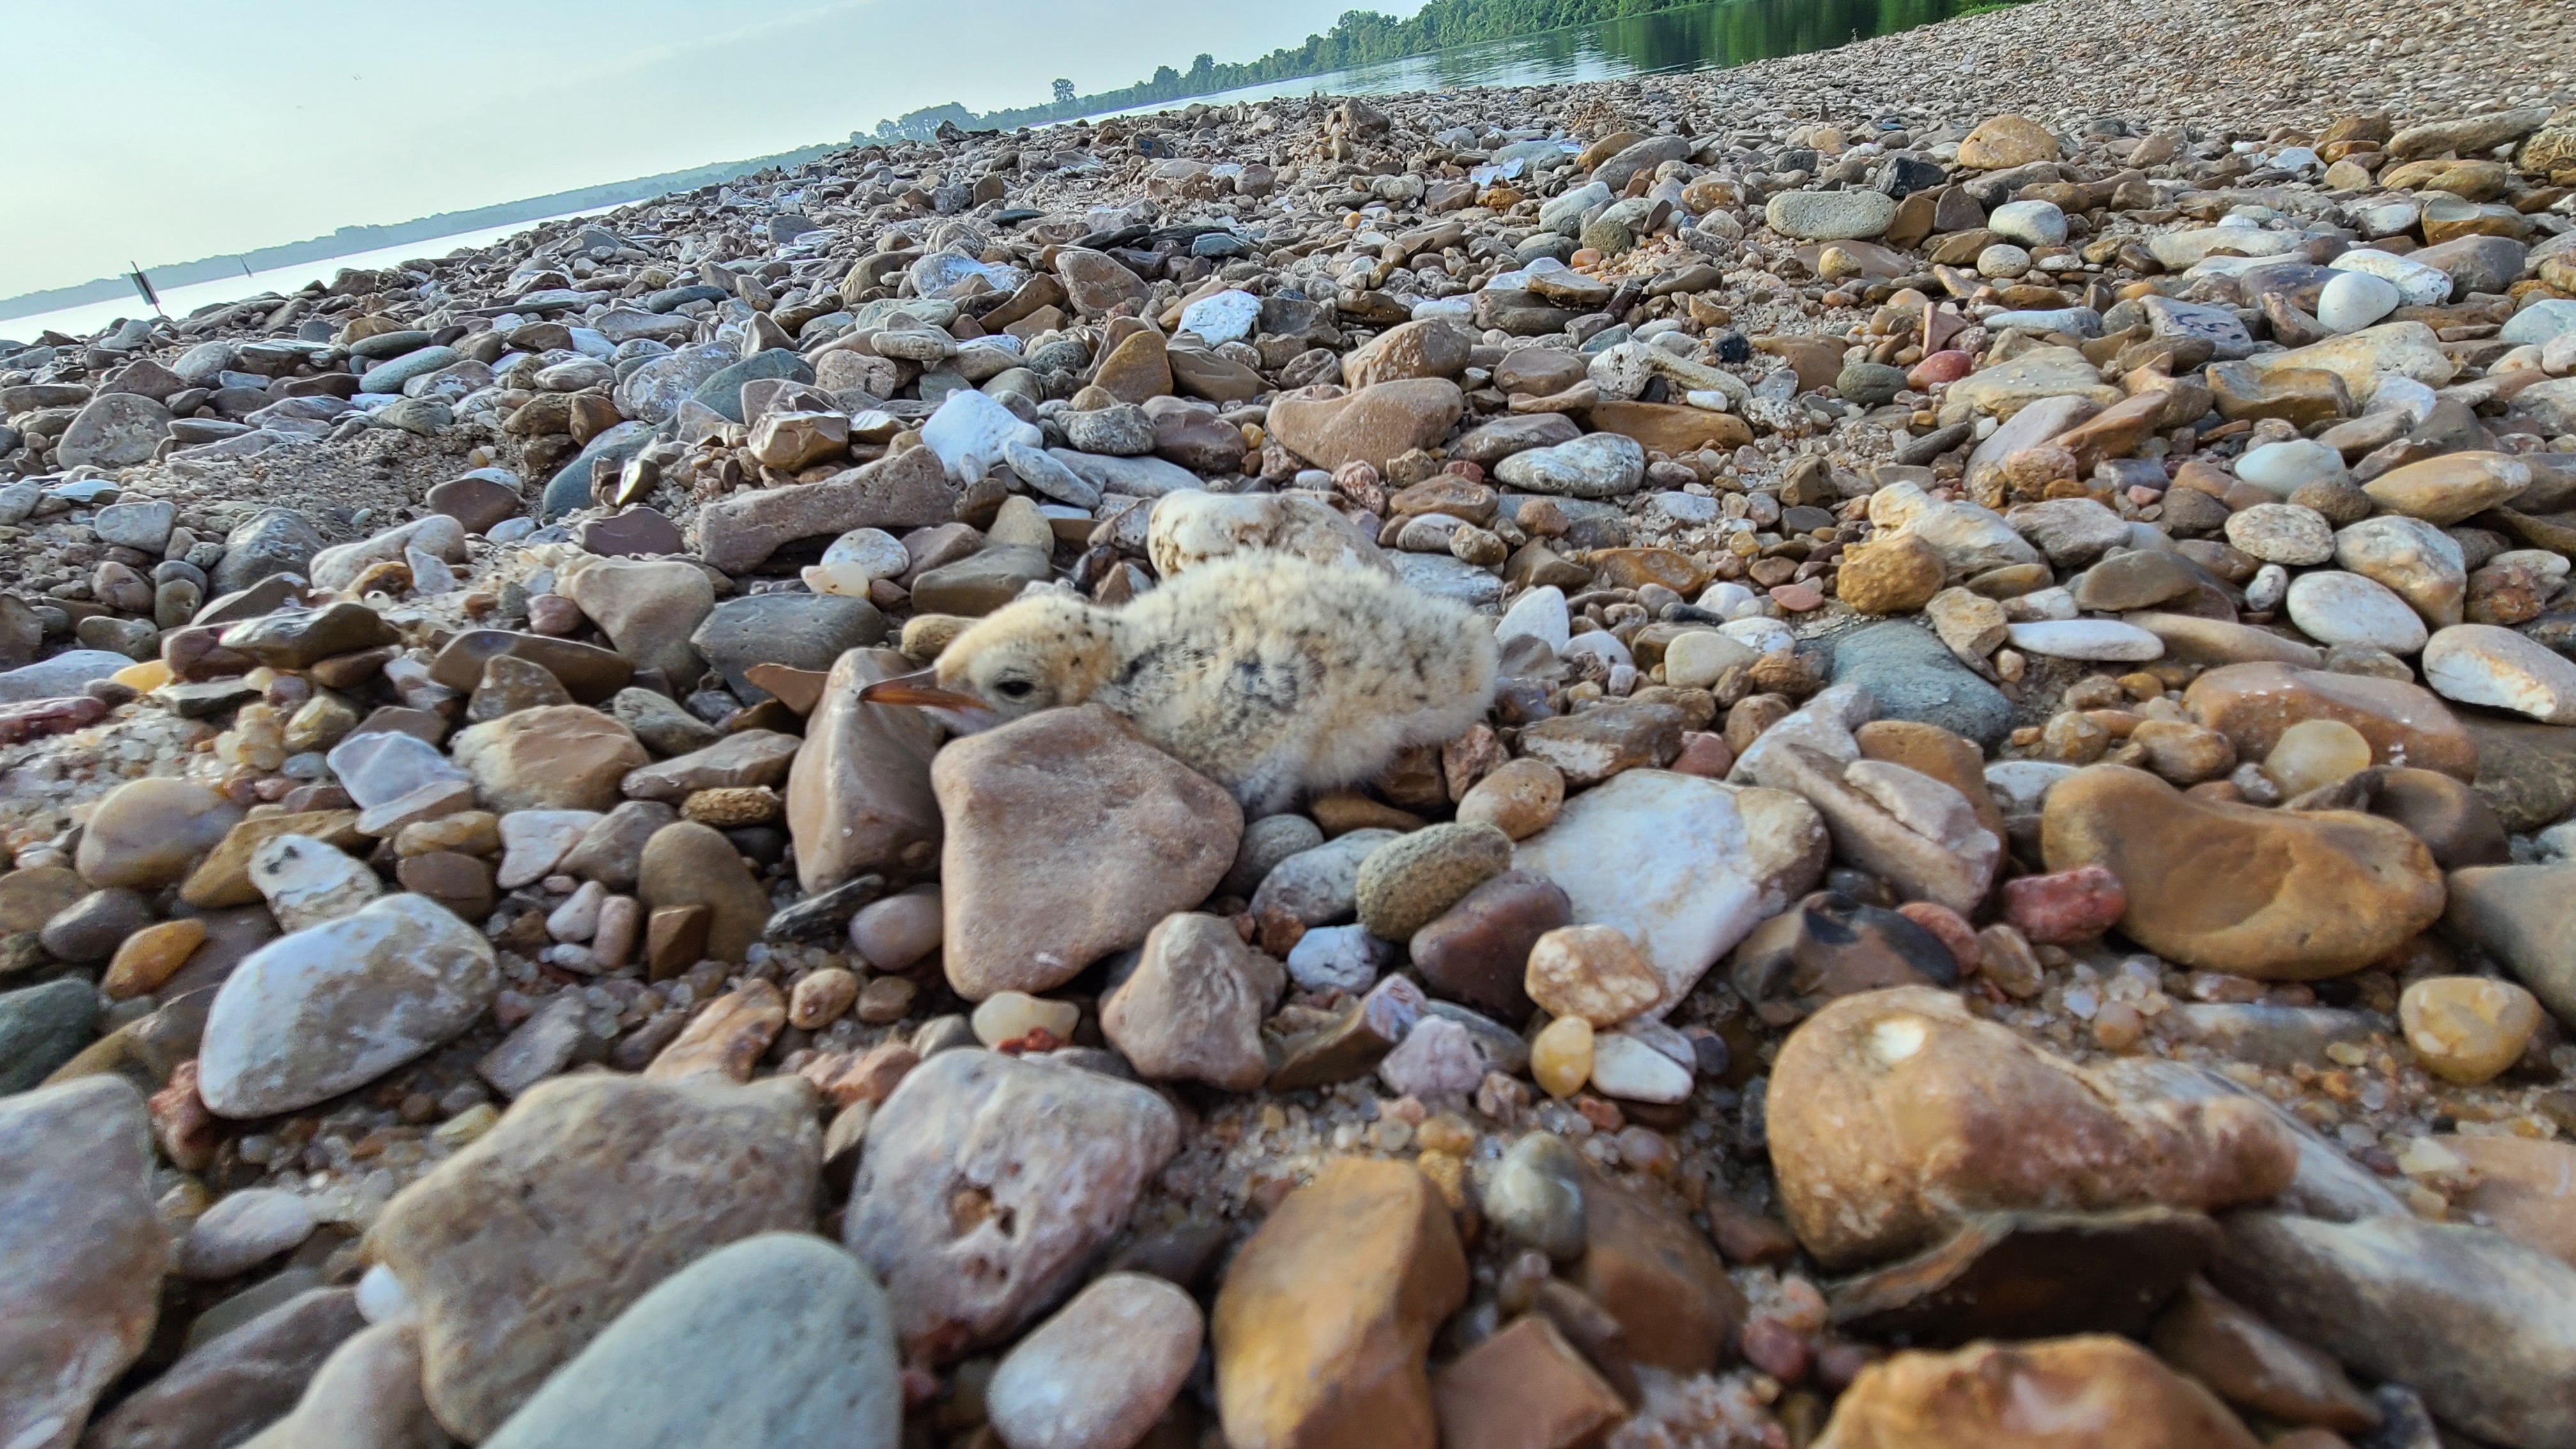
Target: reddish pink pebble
x: 1705, y: 755
x: 1467, y: 468
x: 1947, y: 366
x: 2068, y: 905
x: 1798, y: 598
x: 1776, y: 1349
x: 1951, y: 927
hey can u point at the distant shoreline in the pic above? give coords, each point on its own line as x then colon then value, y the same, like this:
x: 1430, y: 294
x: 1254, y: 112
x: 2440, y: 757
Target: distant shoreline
x: 352, y: 239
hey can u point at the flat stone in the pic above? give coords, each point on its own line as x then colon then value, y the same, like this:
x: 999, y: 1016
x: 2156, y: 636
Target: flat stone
x: 600, y: 1187
x: 1860, y: 1188
x: 82, y: 1252
x: 316, y: 1013
x: 232, y: 1385
x: 780, y: 1330
x: 801, y: 631
x: 2485, y: 665
x: 2477, y: 1323
x: 910, y: 489
x: 1068, y: 838
x: 2279, y: 896
x: 1371, y: 425
x: 1685, y: 866
x: 557, y: 757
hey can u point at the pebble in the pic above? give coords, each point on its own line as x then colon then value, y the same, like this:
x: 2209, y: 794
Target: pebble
x: 2465, y: 1028
x: 613, y: 1184
x: 1101, y: 1370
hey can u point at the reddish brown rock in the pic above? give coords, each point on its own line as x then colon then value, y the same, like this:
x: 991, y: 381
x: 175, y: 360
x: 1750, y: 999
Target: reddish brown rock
x: 2091, y: 1392
x: 2276, y: 895
x: 1896, y: 1113
x: 1526, y: 1388
x: 1069, y: 837
x: 2406, y: 725
x: 1371, y: 425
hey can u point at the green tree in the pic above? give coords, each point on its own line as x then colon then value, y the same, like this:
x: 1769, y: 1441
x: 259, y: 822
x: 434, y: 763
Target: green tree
x: 1064, y: 92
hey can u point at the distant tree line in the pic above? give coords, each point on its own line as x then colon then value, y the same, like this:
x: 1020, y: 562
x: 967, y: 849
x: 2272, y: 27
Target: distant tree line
x: 1358, y: 38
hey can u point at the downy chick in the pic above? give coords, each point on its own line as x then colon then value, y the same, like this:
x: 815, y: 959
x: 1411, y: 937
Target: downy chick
x: 1267, y: 673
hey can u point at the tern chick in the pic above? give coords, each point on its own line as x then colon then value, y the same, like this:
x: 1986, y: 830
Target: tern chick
x: 1267, y: 673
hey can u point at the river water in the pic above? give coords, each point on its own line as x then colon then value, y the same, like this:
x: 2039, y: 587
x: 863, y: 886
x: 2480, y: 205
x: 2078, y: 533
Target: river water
x: 1704, y: 37
x: 89, y: 317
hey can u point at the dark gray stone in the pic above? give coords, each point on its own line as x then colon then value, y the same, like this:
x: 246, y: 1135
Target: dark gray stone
x: 41, y: 1028
x: 801, y: 631
x: 273, y: 541
x: 1913, y: 675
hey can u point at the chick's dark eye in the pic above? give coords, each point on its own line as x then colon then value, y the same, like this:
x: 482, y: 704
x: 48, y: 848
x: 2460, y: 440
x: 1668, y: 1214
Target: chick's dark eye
x: 1014, y: 688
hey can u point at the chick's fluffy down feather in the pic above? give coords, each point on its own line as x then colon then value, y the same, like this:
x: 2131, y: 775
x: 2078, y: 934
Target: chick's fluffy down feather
x: 1268, y: 673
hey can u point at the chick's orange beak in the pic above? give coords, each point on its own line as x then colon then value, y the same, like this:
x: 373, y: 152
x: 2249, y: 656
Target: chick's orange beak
x: 921, y: 687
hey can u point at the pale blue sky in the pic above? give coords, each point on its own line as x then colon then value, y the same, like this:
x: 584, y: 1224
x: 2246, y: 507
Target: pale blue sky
x: 175, y: 131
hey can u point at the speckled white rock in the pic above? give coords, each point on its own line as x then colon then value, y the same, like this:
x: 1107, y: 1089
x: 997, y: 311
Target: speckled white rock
x: 1762, y: 634
x: 1101, y: 1371
x: 2353, y: 300
x: 2103, y: 639
x: 1339, y: 958
x: 2020, y: 786
x: 2279, y: 468
x: 2483, y: 664
x: 314, y: 1014
x: 308, y: 881
x: 2334, y: 607
x: 2282, y: 533
x: 533, y: 842
x: 1684, y: 865
x: 387, y: 765
x: 970, y: 432
x: 1436, y: 1059
x: 2032, y: 223
x: 1226, y: 317
x: 871, y: 549
x: 2413, y: 559
x: 1540, y: 614
x: 2417, y: 285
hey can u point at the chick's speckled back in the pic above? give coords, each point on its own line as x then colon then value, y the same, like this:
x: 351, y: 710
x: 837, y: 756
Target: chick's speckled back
x: 1272, y: 673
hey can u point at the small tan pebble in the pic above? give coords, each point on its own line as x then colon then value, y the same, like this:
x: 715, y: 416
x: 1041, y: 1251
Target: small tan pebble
x: 1012, y: 1015
x: 1561, y: 1056
x: 732, y: 806
x: 467, y: 832
x: 885, y: 999
x: 149, y: 957
x: 2466, y: 1029
x: 2117, y: 1026
x: 822, y: 998
x: 1520, y: 798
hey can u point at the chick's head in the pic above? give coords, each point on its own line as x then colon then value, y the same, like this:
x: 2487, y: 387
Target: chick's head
x: 1038, y: 653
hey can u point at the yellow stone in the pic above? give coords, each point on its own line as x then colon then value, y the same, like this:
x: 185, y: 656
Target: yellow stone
x: 151, y: 956
x: 2466, y: 1029
x: 145, y: 677
x: 2316, y: 752
x: 1561, y: 1056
